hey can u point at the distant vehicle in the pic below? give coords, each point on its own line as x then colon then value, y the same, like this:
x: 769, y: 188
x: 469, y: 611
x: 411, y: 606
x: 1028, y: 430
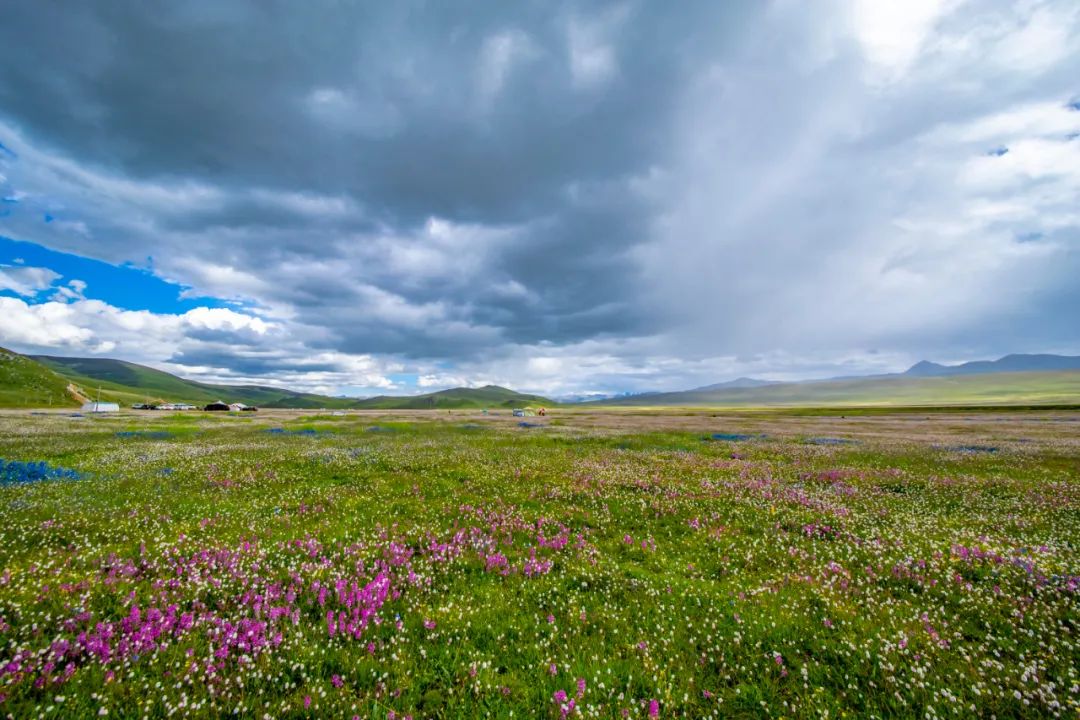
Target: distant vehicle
x: 249, y: 408
x: 518, y: 412
x: 144, y: 406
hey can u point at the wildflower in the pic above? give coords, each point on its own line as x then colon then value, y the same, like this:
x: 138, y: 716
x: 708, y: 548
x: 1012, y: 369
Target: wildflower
x: 654, y: 709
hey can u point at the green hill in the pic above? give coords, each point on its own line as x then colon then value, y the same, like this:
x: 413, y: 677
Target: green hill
x: 25, y: 383
x: 129, y: 383
x: 132, y: 383
x: 1003, y: 388
x: 489, y: 396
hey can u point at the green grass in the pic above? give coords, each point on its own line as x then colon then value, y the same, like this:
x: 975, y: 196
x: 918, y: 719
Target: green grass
x: 1017, y: 388
x: 898, y: 576
x: 25, y: 383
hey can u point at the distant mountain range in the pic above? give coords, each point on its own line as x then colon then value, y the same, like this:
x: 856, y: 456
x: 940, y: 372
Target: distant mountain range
x: 743, y: 382
x: 1013, y: 379
x: 44, y: 380
x: 1009, y: 363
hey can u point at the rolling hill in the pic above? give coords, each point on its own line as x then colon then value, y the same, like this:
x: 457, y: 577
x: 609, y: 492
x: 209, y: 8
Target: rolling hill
x: 999, y: 388
x: 129, y: 383
x: 25, y: 383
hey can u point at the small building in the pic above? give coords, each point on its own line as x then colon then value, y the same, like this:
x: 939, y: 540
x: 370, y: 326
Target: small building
x: 100, y: 407
x: 217, y: 406
x: 518, y: 412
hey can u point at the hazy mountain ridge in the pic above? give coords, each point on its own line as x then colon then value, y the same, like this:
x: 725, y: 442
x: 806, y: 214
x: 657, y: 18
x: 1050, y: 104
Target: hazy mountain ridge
x: 42, y: 380
x: 1008, y: 363
x: 1017, y: 378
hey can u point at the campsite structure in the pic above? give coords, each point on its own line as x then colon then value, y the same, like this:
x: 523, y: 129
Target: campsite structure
x: 96, y: 406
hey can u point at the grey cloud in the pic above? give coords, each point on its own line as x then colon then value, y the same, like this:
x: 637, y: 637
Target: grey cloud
x: 716, y: 180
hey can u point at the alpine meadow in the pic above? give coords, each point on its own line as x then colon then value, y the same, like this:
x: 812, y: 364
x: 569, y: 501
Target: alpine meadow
x: 616, y: 360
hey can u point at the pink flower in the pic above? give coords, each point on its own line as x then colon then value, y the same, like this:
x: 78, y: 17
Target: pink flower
x: 429, y: 624
x: 336, y: 681
x: 559, y: 696
x: 553, y: 669
x: 580, y: 687
x: 654, y: 709
x: 307, y: 701
x: 551, y: 618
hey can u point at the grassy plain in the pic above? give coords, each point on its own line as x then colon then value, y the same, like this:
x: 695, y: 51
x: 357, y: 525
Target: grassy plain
x: 590, y: 564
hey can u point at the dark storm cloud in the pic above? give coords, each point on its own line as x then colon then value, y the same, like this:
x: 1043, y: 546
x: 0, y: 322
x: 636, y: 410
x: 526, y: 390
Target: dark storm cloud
x: 398, y: 111
x: 231, y: 95
x: 535, y: 191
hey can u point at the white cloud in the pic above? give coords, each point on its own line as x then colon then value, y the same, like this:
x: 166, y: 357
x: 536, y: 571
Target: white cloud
x: 1043, y: 41
x: 26, y: 281
x: 892, y: 34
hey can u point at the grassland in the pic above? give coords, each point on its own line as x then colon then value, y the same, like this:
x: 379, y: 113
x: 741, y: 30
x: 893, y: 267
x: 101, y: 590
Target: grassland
x: 1003, y: 388
x: 591, y: 564
x: 25, y: 383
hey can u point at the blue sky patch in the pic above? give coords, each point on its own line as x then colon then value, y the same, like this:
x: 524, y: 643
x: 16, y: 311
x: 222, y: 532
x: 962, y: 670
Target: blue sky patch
x: 124, y: 286
x: 998, y: 151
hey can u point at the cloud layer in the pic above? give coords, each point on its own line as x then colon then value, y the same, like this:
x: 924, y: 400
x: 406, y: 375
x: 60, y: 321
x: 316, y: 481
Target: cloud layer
x: 597, y: 197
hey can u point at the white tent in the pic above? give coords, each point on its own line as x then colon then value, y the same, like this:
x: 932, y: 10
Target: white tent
x: 100, y: 407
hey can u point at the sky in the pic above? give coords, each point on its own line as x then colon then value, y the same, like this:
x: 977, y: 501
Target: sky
x: 563, y: 198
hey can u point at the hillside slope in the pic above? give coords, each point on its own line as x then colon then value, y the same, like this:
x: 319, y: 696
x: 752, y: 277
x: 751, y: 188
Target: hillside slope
x: 26, y: 383
x: 1008, y: 363
x: 128, y: 383
x: 977, y: 389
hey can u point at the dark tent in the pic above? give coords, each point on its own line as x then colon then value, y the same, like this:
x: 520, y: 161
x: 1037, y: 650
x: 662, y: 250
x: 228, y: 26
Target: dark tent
x: 217, y: 406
